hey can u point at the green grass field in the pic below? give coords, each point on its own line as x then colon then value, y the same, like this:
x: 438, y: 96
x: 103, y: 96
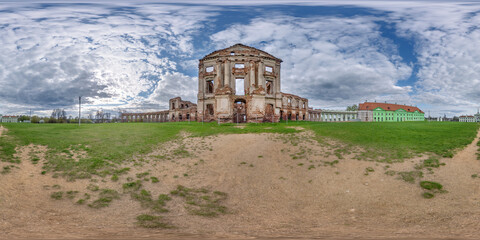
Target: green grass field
x: 108, y: 145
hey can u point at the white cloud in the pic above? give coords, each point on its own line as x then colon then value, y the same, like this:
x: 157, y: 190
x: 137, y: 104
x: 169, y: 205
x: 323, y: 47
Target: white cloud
x: 332, y: 61
x: 107, y: 53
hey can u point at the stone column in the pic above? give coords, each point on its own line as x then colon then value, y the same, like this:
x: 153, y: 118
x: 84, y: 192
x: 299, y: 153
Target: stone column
x: 227, y: 73
x: 261, y: 78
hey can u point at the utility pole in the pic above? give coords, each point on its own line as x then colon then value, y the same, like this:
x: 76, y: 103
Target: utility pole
x: 79, y: 109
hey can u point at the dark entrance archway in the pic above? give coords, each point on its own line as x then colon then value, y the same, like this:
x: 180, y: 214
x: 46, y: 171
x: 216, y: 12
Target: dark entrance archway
x: 239, y: 111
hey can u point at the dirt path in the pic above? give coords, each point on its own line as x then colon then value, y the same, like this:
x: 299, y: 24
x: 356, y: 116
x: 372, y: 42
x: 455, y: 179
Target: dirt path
x: 1, y: 130
x: 271, y: 193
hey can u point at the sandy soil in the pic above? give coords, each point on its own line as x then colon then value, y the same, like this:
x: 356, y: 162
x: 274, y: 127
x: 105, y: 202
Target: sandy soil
x: 270, y: 194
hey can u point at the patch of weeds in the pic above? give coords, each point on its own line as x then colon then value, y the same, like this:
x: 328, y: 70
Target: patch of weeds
x: 7, y: 169
x: 311, y: 167
x: 141, y: 175
x: 71, y: 194
x: 411, y: 176
x: 331, y: 164
x: 57, y: 195
x: 56, y: 186
x: 150, y: 221
x: 105, y: 197
x: 431, y: 188
x: 181, y: 152
x: 144, y: 197
x: 114, y: 177
x: 428, y: 195
x: 201, y: 201
x: 429, y: 163
x: 260, y: 156
x: 35, y: 160
x: 368, y: 170
x: 93, y: 187
x: 154, y: 179
x: 282, y: 178
x: 83, y: 200
x: 428, y: 185
x: 474, y: 175
x: 132, y: 186
x: 243, y: 163
x: 300, y: 164
x: 251, y: 165
x: 175, y: 176
x: 185, y: 174
x: 390, y: 173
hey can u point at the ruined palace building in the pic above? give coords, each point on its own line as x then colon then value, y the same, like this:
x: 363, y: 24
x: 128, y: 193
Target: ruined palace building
x: 242, y: 84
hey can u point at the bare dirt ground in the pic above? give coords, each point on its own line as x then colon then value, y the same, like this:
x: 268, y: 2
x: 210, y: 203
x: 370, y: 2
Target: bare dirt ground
x: 279, y: 186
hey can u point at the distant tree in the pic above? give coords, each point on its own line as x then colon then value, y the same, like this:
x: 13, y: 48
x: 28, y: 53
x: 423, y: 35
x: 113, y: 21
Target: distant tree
x: 35, y: 119
x: 59, y: 115
x: 354, y: 107
x: 23, y: 118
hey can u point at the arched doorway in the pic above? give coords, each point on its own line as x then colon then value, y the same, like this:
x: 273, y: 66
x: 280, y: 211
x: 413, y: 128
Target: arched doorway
x: 239, y: 111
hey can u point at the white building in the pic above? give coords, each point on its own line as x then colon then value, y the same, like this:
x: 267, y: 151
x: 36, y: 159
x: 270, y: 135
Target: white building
x: 470, y: 118
x: 9, y: 119
x: 467, y: 118
x: 339, y: 116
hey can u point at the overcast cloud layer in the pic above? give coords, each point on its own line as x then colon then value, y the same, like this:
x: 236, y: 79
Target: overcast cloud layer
x: 135, y: 56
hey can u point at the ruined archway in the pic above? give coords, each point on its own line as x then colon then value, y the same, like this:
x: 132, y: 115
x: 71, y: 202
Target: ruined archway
x: 269, y: 114
x: 240, y: 111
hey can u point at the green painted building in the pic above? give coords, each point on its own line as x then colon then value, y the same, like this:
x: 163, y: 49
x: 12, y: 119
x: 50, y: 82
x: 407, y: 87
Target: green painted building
x: 387, y: 112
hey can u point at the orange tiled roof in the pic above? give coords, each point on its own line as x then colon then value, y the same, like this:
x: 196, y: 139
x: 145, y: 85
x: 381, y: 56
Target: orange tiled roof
x: 387, y: 107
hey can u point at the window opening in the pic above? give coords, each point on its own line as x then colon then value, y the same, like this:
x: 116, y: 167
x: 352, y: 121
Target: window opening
x: 239, y: 65
x: 239, y: 86
x: 268, y: 69
x: 210, y: 109
x: 269, y: 87
x: 210, y: 86
x: 209, y: 69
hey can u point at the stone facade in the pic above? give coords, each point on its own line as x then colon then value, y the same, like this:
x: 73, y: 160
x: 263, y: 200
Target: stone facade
x: 242, y: 84
x: 179, y: 111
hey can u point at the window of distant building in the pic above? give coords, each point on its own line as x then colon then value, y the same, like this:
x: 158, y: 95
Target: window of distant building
x: 209, y: 69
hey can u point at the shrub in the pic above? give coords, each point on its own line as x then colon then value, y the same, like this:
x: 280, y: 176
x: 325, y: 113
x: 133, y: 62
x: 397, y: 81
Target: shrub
x: 431, y: 185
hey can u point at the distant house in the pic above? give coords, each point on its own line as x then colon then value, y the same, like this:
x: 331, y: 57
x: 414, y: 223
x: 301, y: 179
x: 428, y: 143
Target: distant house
x: 339, y: 116
x: 9, y: 119
x: 388, y: 112
x: 470, y: 118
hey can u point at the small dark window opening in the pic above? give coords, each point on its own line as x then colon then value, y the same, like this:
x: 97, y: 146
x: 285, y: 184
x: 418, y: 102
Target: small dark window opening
x: 180, y: 117
x: 181, y: 106
x: 232, y: 53
x: 303, y: 116
x: 173, y: 116
x: 186, y: 105
x: 173, y: 105
x: 210, y: 86
x: 269, y: 87
x: 188, y: 116
x: 210, y: 109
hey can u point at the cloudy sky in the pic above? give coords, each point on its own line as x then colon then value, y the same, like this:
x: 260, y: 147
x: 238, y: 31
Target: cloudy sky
x: 135, y: 55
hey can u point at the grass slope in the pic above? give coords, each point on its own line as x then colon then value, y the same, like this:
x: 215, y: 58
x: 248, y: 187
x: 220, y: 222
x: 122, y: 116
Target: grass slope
x: 401, y: 140
x: 108, y: 145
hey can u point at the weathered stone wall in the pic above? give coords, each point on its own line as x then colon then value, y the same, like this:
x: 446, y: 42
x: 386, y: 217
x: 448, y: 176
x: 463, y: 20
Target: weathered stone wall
x: 242, y: 84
